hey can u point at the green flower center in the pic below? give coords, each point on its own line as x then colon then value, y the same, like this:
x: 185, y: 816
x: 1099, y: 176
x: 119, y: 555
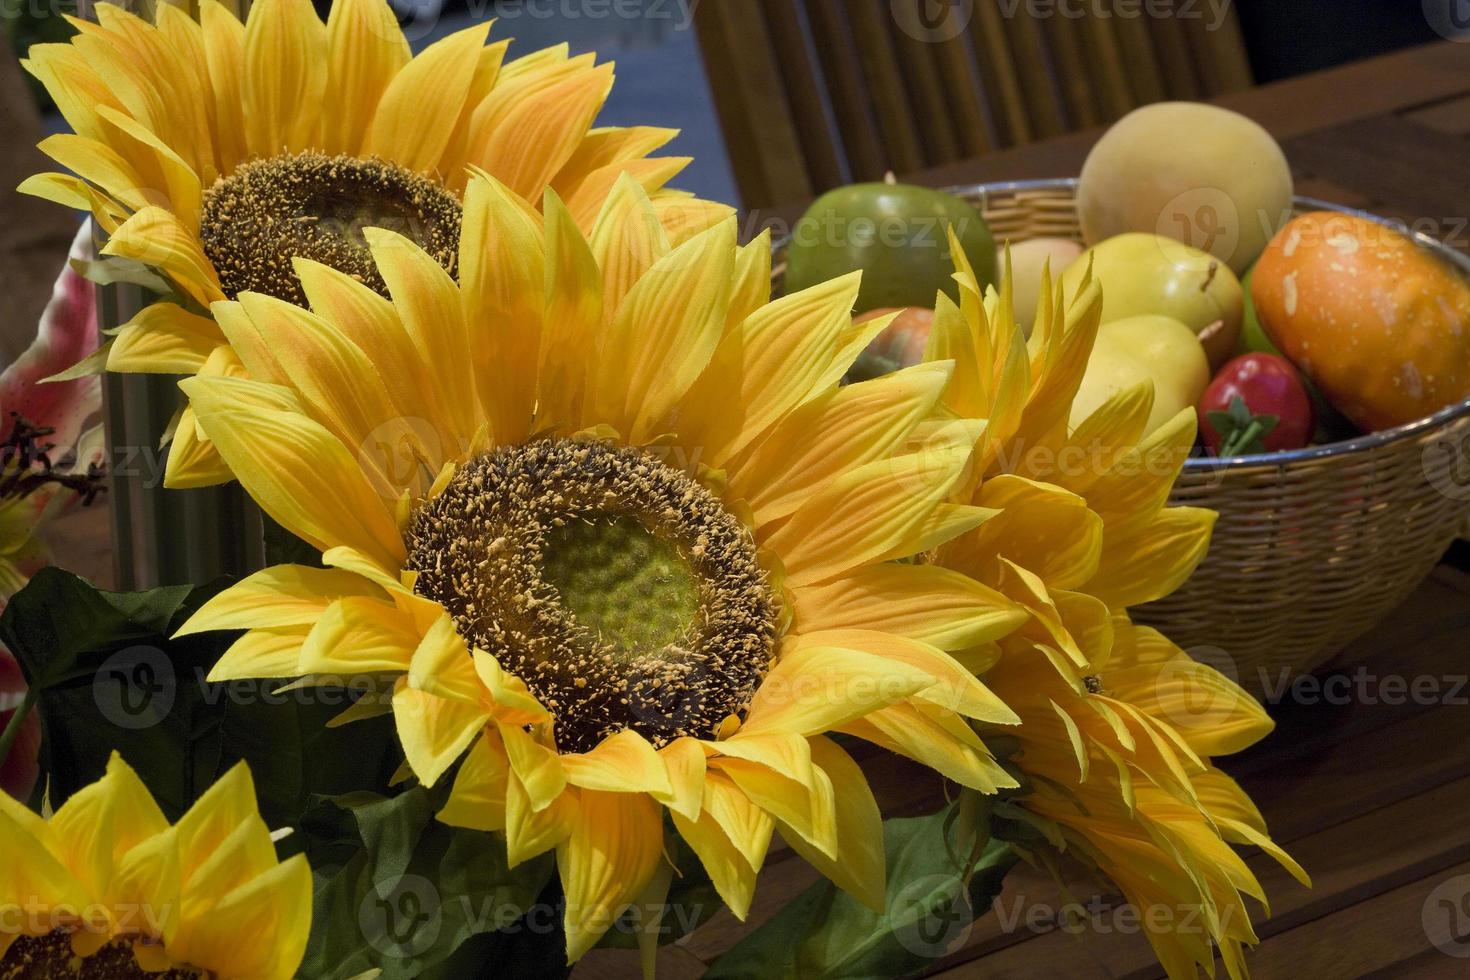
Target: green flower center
x: 269, y: 211
x: 629, y: 588
x: 50, y: 957
x: 618, y: 588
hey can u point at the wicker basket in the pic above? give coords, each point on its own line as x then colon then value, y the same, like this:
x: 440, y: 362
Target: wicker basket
x: 1312, y: 547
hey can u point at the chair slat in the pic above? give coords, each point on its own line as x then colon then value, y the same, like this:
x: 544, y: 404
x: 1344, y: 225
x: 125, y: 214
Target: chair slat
x: 998, y: 71
x: 760, y: 132
x: 920, y: 63
x: 847, y: 89
x: 1105, y: 66
x: 804, y: 90
x: 886, y: 85
x: 1034, y: 71
x: 962, y: 86
x: 1145, y: 80
x: 1219, y: 50
x: 1171, y: 45
x: 1064, y: 36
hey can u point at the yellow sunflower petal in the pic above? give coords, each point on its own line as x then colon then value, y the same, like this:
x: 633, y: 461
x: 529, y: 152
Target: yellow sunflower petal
x: 571, y: 322
x: 271, y: 652
x: 663, y: 335
x: 767, y: 366
x: 606, y: 147
x: 684, y: 761
x: 275, y: 904
x: 305, y: 479
x: 365, y: 50
x: 530, y: 831
x: 434, y: 731
x: 502, y: 275
x: 614, y: 848
x: 224, y: 52
x: 442, y: 665
x: 626, y: 241
x: 937, y: 740
x: 359, y: 635
x: 285, y: 68
x: 418, y: 111
x: 621, y: 763
x: 859, y: 868
x: 164, y: 338
x: 538, y: 768
x: 1155, y: 560
x: 478, y: 799
x: 99, y: 164
x: 730, y: 838
x: 286, y: 595
x: 816, y: 687
x: 922, y: 602
x: 865, y: 514
x: 836, y: 432
x: 531, y: 141
x: 156, y: 238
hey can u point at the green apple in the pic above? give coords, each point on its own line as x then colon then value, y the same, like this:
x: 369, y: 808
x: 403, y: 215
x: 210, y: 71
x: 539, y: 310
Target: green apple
x: 897, y: 234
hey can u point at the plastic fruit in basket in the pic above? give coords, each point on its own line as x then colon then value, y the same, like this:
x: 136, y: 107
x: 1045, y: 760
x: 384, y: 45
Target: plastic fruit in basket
x: 1150, y: 274
x: 897, y: 234
x: 1028, y: 258
x: 1379, y: 324
x: 1198, y: 173
x: 1158, y: 349
x: 900, y: 345
x: 1256, y: 404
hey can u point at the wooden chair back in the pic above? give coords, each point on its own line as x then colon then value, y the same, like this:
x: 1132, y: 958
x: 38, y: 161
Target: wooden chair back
x: 813, y: 94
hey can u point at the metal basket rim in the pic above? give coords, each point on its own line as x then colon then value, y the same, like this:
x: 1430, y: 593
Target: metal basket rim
x: 1278, y: 460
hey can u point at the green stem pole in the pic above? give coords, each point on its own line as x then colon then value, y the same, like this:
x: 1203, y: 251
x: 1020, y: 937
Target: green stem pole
x: 12, y: 730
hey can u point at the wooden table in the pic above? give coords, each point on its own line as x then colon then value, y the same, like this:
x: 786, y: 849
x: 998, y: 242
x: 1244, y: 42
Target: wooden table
x: 1369, y: 790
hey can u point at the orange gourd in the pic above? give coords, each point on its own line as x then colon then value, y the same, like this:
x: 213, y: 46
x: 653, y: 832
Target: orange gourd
x: 1380, y: 324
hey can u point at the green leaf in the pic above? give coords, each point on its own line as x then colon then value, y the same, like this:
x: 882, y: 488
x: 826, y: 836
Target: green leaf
x: 943, y: 871
x: 109, y: 676
x: 108, y: 270
x: 417, y: 892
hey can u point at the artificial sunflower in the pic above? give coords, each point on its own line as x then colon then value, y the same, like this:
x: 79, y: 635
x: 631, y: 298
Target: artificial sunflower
x: 106, y: 887
x: 1118, y: 724
x: 215, y: 152
x: 603, y: 517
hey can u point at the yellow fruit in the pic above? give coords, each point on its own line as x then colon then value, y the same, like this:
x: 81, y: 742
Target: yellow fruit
x: 1027, y: 260
x: 1149, y: 274
x: 1144, y: 348
x: 1203, y: 175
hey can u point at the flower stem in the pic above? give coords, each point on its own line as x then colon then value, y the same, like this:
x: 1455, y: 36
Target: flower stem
x: 12, y: 730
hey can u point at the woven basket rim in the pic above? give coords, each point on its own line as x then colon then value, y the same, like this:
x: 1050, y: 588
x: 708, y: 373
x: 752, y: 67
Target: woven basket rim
x: 1278, y: 460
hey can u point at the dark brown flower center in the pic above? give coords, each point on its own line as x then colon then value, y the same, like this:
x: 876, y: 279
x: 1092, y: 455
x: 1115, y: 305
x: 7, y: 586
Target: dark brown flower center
x: 269, y: 211
x: 50, y: 957
x: 618, y: 588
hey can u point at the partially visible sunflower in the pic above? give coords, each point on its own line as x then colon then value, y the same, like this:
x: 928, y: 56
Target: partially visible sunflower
x: 640, y: 557
x: 215, y: 152
x: 1118, y: 724
x: 106, y: 887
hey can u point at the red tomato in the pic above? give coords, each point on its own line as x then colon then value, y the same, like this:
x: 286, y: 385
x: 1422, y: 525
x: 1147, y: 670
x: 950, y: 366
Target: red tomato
x: 1256, y: 404
x: 19, y: 772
